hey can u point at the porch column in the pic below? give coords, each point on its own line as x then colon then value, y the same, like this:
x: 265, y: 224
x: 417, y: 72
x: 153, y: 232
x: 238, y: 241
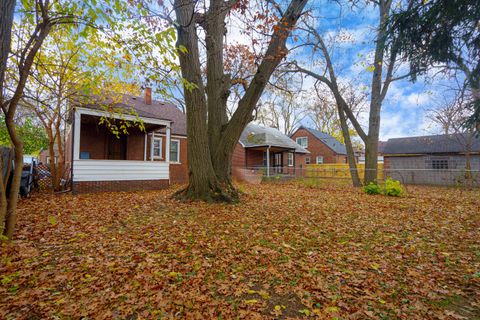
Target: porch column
x: 151, y: 146
x: 145, y: 148
x: 76, y: 135
x: 167, y: 145
x: 294, y: 165
x: 268, y: 161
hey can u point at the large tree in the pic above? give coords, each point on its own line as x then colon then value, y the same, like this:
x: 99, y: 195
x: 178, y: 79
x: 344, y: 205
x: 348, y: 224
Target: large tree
x: 44, y: 17
x: 212, y: 136
x: 383, y: 65
x: 441, y: 34
x: 115, y: 20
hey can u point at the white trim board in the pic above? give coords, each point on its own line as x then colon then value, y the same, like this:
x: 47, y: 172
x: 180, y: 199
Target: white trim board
x: 119, y: 170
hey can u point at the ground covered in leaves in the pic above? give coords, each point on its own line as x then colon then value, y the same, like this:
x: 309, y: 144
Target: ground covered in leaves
x: 286, y: 251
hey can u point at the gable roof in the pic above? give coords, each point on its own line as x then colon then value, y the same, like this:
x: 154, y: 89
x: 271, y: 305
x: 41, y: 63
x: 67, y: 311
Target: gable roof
x: 156, y: 110
x: 328, y: 140
x: 255, y: 135
x: 443, y: 143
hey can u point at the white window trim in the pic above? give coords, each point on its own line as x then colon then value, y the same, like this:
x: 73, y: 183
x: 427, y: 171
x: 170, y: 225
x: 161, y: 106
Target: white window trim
x: 178, y: 151
x: 290, y: 154
x: 161, y: 148
x: 306, y: 139
x: 309, y: 160
x: 316, y: 159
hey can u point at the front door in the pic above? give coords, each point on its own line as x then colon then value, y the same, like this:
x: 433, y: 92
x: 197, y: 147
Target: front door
x: 278, y: 162
x: 117, y: 147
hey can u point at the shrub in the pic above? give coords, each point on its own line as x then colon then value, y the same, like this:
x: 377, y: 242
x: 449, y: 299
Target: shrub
x: 393, y: 188
x: 372, y: 188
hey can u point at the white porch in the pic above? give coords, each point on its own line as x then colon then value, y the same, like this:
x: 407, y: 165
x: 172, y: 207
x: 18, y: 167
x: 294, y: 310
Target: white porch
x: 99, y: 157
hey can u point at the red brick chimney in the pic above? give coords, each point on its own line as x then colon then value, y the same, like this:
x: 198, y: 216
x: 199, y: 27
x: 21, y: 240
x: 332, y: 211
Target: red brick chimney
x: 148, y: 95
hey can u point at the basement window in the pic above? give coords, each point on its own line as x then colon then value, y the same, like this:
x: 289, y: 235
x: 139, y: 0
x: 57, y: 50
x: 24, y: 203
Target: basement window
x: 440, y: 164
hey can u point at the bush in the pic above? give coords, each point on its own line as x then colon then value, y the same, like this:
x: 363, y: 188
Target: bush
x: 372, y: 188
x: 393, y: 188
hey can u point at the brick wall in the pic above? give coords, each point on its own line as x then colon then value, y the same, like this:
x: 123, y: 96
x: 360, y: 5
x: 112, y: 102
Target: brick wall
x: 318, y: 148
x: 238, y: 157
x: 179, y: 171
x: 254, y: 158
x: 93, y: 140
x: 135, y: 146
x: 108, y: 186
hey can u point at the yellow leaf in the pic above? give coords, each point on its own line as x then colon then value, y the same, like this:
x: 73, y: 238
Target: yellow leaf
x: 375, y: 266
x: 252, y: 301
x: 52, y: 220
x: 264, y: 294
x: 332, y: 309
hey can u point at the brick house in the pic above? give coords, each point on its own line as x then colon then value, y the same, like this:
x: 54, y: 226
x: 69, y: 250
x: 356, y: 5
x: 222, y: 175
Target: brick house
x: 139, y: 160
x: 323, y: 147
x: 266, y: 149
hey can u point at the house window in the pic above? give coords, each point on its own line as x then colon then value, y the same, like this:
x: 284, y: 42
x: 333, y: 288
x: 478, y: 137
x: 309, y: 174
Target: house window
x: 157, y: 147
x: 54, y: 160
x: 290, y: 159
x: 303, y: 141
x: 319, y: 159
x: 440, y: 164
x: 307, y: 160
x: 264, y: 158
x: 174, y: 150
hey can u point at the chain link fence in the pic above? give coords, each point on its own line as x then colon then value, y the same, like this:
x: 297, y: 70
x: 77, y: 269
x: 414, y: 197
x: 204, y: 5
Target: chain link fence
x: 337, y: 174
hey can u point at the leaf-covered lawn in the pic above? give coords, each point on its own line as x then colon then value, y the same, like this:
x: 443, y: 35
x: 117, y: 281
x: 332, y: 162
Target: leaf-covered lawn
x: 285, y: 251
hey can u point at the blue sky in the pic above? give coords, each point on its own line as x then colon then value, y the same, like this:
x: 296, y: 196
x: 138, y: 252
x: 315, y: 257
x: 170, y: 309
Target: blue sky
x: 403, y: 111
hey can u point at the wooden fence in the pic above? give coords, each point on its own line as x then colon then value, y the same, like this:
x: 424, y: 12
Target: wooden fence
x: 338, y: 171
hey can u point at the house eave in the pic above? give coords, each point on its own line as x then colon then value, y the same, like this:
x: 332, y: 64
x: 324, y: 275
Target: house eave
x: 128, y: 117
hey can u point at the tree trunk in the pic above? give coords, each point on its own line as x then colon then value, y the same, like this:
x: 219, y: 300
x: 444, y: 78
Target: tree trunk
x: 468, y: 159
x: 348, y: 144
x: 371, y: 159
x: 3, y: 190
x: 51, y: 152
x: 203, y: 183
x: 211, y: 141
x: 377, y: 95
x: 11, y: 216
x: 7, y: 8
x: 9, y: 110
x: 61, y: 158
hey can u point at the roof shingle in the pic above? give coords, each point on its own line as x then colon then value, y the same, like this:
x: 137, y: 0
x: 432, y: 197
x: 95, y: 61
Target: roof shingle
x: 255, y: 135
x: 451, y: 143
x: 156, y: 110
x: 330, y: 141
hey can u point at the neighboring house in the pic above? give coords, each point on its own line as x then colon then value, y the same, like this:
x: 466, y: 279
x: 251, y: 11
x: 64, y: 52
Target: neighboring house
x: 437, y: 159
x: 150, y: 159
x: 267, y: 149
x: 44, y: 156
x: 323, y: 147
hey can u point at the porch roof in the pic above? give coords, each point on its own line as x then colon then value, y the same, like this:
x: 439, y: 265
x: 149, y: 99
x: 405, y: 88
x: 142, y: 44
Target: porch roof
x: 156, y: 110
x: 256, y: 136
